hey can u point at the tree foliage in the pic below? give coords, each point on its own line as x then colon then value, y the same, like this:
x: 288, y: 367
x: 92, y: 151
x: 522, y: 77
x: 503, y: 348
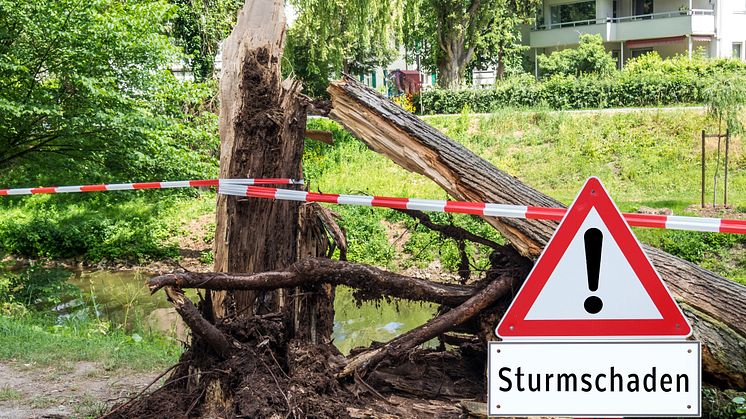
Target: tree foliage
x: 199, y: 26
x: 330, y: 36
x: 456, y: 35
x: 85, y: 92
x: 590, y: 57
x: 448, y: 35
x: 725, y: 99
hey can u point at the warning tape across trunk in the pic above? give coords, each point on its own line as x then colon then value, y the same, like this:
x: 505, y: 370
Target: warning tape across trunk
x: 672, y: 222
x: 148, y: 185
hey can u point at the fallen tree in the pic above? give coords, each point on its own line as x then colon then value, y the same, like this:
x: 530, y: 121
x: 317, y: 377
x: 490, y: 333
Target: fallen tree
x: 715, y: 306
x: 261, y: 342
x: 261, y: 333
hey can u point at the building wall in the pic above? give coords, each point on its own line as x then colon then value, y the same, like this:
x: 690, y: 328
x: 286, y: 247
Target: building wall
x: 730, y: 18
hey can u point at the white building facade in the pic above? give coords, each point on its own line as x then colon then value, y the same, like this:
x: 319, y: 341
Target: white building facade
x: 631, y: 28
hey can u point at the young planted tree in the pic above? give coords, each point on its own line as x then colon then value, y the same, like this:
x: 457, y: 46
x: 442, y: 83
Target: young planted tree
x: 725, y: 99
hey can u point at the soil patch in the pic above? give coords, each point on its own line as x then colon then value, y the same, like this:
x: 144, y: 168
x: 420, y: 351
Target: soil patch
x: 82, y: 389
x: 717, y: 212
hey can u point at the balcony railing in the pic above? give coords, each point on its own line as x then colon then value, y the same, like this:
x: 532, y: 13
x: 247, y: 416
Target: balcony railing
x: 661, y: 15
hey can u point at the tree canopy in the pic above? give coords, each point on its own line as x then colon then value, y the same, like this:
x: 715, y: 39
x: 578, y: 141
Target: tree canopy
x: 198, y: 27
x: 85, y: 88
x: 448, y: 35
x: 331, y: 36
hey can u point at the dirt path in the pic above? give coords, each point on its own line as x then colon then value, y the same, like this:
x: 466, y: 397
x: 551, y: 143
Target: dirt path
x: 84, y: 389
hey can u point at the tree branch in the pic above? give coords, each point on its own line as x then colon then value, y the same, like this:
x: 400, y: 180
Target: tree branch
x: 198, y: 324
x: 371, y: 282
x: 451, y: 231
x: 399, y: 346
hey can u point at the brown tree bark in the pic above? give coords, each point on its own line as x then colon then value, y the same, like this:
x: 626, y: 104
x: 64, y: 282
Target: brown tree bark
x: 715, y: 306
x: 372, y: 282
x: 262, y: 128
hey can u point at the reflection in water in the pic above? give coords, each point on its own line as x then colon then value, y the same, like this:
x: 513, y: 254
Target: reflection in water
x: 123, y: 298
x: 120, y: 297
x: 374, y: 321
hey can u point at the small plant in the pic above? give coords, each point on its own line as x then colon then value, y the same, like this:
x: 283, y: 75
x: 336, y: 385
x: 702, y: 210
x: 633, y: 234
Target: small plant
x: 740, y: 405
x: 207, y: 257
x: 9, y: 393
x: 405, y: 102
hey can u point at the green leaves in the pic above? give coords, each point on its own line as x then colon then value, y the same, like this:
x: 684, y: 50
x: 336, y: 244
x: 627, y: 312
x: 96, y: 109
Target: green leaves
x: 86, y: 95
x: 198, y: 27
x: 725, y: 99
x: 589, y: 58
x: 645, y: 81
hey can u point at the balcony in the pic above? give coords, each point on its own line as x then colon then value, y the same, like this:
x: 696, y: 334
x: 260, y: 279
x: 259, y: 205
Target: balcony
x: 656, y: 25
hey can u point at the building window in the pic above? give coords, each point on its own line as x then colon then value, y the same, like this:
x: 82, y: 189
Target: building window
x: 643, y: 7
x: 540, y: 17
x: 573, y: 12
x: 737, y: 46
x: 614, y: 9
x: 640, y: 51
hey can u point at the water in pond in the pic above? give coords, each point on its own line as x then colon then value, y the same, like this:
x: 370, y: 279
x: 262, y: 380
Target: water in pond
x: 122, y: 298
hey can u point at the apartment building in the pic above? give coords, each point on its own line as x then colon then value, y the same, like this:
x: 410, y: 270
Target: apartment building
x: 629, y: 28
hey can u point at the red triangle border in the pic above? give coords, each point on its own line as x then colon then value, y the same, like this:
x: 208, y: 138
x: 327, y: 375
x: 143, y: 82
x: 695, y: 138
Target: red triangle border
x: 593, y: 195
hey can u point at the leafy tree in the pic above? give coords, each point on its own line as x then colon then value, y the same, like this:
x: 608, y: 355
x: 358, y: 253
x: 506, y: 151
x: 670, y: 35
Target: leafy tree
x: 199, y: 26
x: 330, y: 36
x: 85, y: 92
x: 464, y: 34
x: 448, y: 35
x: 590, y: 57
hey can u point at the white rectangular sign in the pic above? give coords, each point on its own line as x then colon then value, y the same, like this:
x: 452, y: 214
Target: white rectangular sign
x: 594, y: 379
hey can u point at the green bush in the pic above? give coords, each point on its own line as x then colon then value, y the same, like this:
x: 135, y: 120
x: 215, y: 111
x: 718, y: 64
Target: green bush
x: 645, y: 81
x: 590, y: 57
x: 134, y: 228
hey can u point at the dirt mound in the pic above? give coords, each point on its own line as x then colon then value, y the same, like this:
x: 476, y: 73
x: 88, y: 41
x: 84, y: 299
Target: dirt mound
x: 273, y: 376
x: 270, y: 376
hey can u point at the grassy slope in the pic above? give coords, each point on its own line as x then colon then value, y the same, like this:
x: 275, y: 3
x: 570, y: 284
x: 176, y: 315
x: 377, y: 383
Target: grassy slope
x: 39, y: 340
x: 645, y: 159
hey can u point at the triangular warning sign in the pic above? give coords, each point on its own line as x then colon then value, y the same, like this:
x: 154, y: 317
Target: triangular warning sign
x: 593, y: 280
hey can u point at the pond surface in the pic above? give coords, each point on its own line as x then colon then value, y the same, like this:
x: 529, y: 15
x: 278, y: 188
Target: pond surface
x: 122, y: 298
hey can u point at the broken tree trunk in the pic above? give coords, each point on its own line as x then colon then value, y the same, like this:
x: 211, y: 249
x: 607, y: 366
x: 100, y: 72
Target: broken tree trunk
x: 715, y: 306
x: 262, y: 128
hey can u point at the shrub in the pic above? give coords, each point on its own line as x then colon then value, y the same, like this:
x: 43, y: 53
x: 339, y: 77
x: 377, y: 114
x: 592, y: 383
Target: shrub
x: 590, y: 57
x: 646, y: 81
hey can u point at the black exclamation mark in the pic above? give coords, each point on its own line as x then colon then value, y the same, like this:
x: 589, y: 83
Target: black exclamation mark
x: 594, y: 239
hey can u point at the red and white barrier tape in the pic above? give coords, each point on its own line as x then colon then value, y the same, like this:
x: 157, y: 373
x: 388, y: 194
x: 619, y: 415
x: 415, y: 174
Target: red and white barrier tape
x: 672, y: 222
x: 149, y: 185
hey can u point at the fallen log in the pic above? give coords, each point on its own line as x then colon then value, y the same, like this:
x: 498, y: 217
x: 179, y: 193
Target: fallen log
x: 715, y: 306
x: 371, y: 282
x: 401, y: 345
